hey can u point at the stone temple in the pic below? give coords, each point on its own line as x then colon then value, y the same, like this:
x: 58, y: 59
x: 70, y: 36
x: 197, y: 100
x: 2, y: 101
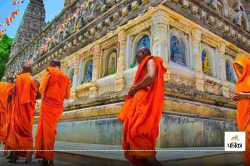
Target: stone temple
x: 198, y: 41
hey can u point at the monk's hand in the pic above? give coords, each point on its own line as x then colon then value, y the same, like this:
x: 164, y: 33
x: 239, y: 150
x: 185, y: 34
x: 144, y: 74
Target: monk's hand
x: 239, y: 96
x: 132, y: 91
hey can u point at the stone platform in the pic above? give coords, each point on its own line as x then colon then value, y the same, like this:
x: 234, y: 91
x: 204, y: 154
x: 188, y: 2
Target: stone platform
x: 112, y: 155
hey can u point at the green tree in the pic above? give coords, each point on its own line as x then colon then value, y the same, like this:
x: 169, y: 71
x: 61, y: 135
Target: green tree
x: 5, y: 49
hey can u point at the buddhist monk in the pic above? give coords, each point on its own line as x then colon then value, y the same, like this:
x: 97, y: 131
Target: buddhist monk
x: 242, y: 97
x: 4, y: 91
x: 20, y: 137
x: 5, y: 109
x: 142, y: 110
x: 55, y: 87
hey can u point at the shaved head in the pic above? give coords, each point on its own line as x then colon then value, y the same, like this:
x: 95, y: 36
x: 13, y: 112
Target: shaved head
x: 55, y: 63
x: 142, y: 53
x: 26, y: 69
x: 10, y: 79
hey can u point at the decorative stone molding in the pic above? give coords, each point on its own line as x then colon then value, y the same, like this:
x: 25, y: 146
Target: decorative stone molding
x: 212, y: 20
x: 144, y: 2
x: 194, y: 9
x: 203, y: 15
x: 185, y: 4
x: 134, y: 5
x: 116, y: 16
x: 125, y: 11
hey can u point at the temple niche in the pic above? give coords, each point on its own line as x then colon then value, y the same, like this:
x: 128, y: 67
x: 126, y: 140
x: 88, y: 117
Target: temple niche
x: 112, y: 63
x: 229, y: 72
x: 206, y: 62
x: 143, y: 42
x: 88, y: 71
x: 70, y: 73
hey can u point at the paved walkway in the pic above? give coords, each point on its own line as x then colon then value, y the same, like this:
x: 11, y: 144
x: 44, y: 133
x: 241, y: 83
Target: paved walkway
x: 113, y: 151
x: 20, y: 162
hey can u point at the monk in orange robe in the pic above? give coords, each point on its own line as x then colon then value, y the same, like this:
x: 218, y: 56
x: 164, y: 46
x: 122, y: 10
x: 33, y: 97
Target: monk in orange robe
x: 4, y: 91
x: 242, y: 96
x: 142, y: 110
x: 55, y: 87
x: 24, y: 98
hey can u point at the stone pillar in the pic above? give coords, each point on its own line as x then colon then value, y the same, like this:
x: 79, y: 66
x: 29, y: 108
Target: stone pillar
x: 120, y: 82
x: 75, y: 82
x: 160, y: 35
x: 196, y: 39
x: 96, y: 70
x: 222, y: 69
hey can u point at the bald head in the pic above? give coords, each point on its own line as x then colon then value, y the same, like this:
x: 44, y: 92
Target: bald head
x: 10, y: 80
x: 142, y: 53
x: 26, y: 69
x: 55, y: 63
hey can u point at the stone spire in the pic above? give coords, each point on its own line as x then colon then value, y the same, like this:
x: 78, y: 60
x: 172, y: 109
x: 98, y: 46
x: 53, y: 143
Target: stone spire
x: 32, y: 22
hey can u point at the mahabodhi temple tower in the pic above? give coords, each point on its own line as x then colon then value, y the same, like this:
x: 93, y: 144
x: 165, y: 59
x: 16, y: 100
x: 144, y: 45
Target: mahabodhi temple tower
x: 32, y: 22
x: 197, y: 39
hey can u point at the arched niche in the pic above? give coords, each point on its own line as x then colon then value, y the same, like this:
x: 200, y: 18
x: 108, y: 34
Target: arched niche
x: 222, y: 7
x: 111, y: 61
x: 88, y: 70
x: 230, y: 74
x: 141, y: 40
x: 178, y: 46
x: 70, y: 73
x: 207, y: 58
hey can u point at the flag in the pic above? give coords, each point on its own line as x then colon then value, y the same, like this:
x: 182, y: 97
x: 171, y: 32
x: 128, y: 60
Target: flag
x: 9, y: 20
x: 14, y: 13
x: 2, y: 25
x: 2, y: 31
x: 17, y: 2
x: 62, y: 26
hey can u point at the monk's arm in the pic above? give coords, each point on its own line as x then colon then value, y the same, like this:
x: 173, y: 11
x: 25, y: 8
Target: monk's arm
x: 67, y: 95
x: 150, y: 76
x: 44, y: 83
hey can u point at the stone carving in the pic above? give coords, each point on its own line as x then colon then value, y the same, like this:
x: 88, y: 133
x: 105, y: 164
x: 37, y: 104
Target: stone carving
x: 238, y: 18
x: 65, y: 33
x: 112, y: 63
x: 212, y: 3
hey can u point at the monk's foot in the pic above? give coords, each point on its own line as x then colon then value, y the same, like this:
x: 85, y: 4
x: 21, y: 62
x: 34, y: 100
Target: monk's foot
x: 28, y: 157
x: 6, y: 153
x: 9, y: 157
x: 12, y: 161
x: 43, y: 162
x: 152, y: 161
x: 51, y: 163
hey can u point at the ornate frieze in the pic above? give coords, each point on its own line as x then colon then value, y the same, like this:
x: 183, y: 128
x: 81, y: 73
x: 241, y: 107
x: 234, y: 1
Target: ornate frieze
x: 180, y: 26
x: 209, y: 40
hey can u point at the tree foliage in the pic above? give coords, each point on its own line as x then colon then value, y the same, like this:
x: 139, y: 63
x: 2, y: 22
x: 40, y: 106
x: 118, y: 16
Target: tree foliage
x: 5, y: 49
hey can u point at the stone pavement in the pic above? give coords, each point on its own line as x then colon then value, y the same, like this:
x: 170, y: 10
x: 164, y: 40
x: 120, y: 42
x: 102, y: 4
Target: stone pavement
x: 20, y: 162
x: 112, y: 155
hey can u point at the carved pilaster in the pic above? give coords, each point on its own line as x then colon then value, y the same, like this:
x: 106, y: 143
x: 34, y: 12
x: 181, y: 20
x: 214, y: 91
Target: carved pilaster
x: 160, y: 39
x: 120, y: 82
x: 222, y: 69
x: 96, y: 69
x: 196, y: 39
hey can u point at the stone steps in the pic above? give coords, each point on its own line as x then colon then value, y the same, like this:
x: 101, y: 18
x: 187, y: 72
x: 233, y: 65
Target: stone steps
x: 112, y: 155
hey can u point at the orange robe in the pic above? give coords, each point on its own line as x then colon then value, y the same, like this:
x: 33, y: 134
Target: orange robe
x: 142, y: 114
x: 4, y: 90
x: 55, y: 87
x: 243, y: 106
x: 21, y: 124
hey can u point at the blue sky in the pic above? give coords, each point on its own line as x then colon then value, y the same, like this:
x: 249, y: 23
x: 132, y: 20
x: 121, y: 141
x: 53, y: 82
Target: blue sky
x: 52, y: 8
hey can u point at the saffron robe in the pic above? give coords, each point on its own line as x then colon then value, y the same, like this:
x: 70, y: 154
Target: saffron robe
x: 55, y: 87
x: 21, y: 125
x: 142, y: 113
x: 4, y: 91
x: 243, y: 106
